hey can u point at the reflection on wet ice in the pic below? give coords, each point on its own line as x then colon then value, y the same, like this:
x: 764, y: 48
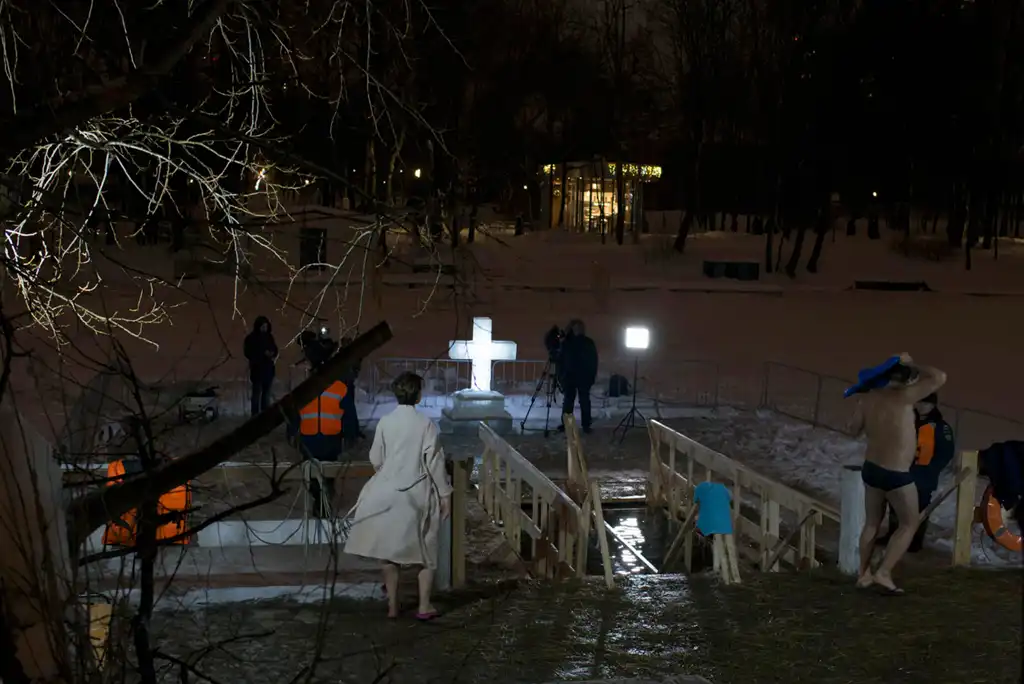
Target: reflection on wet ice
x: 629, y: 531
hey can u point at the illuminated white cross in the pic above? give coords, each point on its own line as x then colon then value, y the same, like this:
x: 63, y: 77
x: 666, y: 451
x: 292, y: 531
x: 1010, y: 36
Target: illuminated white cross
x: 482, y: 351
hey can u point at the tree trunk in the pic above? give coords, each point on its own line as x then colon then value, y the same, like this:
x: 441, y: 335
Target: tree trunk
x: 620, y: 203
x: 819, y: 241
x: 685, y: 223
x: 874, y: 232
x: 768, y: 244
x: 33, y: 580
x: 692, y: 203
x: 396, y: 151
x: 561, y: 199
x: 471, y: 233
x: 794, y: 254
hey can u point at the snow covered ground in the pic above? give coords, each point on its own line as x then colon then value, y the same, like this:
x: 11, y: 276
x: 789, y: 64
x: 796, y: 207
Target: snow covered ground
x: 811, y: 459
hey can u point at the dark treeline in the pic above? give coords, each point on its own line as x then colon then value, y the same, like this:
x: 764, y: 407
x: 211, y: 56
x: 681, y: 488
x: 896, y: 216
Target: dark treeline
x: 766, y: 107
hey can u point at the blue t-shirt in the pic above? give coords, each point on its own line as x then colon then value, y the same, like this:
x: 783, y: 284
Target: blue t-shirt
x: 715, y: 515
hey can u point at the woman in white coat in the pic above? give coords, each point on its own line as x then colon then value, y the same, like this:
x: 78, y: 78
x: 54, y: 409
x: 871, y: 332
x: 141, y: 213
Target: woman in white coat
x: 398, y: 515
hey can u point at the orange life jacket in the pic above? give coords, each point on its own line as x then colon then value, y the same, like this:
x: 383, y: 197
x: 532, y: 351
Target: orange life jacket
x: 322, y: 416
x: 122, y: 532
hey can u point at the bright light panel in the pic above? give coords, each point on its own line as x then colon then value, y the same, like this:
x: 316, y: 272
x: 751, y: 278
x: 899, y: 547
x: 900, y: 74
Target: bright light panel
x: 638, y: 338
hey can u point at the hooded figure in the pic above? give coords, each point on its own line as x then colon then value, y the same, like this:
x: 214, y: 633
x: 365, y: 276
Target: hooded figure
x: 577, y: 371
x: 261, y: 352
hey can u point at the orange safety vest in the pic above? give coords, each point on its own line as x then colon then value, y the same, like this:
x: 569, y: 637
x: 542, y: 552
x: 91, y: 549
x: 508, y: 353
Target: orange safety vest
x: 322, y: 416
x: 122, y: 532
x: 925, y: 444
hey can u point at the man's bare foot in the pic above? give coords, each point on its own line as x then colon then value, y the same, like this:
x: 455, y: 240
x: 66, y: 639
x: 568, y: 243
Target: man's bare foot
x: 865, y: 580
x: 392, y: 610
x: 884, y: 581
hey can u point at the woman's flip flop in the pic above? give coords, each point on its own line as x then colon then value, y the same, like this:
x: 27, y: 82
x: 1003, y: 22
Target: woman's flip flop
x: 886, y: 591
x: 427, y: 617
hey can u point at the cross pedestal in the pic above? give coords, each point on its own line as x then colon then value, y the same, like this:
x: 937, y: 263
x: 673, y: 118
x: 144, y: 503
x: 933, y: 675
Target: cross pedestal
x: 479, y: 403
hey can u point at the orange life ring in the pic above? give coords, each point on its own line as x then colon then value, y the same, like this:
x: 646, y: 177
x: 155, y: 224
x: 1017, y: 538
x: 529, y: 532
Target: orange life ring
x: 992, y: 520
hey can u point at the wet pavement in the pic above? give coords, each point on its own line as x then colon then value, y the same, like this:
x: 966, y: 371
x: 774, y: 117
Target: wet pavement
x: 960, y: 627
x: 530, y: 634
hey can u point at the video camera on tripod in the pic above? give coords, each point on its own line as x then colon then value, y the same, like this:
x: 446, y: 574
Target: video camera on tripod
x: 553, y: 343
x: 548, y: 382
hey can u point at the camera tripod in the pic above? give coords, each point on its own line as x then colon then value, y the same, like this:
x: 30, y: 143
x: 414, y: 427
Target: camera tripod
x: 629, y: 420
x: 546, y: 377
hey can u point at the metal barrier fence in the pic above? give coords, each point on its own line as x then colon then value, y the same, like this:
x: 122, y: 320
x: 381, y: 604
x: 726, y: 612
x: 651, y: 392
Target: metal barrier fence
x: 818, y: 399
x: 791, y: 391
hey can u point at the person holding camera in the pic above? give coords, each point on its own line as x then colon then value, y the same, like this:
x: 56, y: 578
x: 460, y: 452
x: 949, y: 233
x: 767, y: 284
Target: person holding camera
x: 577, y: 371
x: 887, y: 396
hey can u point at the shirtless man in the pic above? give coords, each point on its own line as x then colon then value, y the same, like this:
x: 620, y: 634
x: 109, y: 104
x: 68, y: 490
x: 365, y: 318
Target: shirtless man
x: 887, y: 418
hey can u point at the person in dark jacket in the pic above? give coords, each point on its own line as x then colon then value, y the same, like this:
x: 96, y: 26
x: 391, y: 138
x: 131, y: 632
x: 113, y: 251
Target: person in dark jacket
x: 261, y: 352
x: 936, y: 449
x: 577, y: 371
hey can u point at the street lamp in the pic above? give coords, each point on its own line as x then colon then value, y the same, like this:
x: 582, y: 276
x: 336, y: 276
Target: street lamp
x: 637, y: 339
x: 417, y: 173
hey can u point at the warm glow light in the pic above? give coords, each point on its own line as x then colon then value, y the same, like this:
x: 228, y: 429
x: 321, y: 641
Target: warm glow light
x: 525, y: 188
x: 416, y: 173
x: 638, y: 338
x: 483, y: 350
x: 645, y: 173
x: 260, y: 177
x: 874, y: 194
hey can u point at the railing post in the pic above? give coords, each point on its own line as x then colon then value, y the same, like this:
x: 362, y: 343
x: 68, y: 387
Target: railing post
x: 852, y: 515
x: 718, y: 378
x: 460, y: 487
x: 817, y: 400
x: 965, y: 502
x: 765, y: 373
x: 443, y: 574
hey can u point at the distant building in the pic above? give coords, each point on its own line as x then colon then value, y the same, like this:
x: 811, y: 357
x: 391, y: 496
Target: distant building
x: 590, y: 199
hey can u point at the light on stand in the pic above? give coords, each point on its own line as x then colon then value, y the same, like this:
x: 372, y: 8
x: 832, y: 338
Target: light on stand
x: 637, y: 340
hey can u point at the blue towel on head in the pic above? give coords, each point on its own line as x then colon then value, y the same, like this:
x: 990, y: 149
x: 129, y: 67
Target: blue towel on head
x: 872, y: 378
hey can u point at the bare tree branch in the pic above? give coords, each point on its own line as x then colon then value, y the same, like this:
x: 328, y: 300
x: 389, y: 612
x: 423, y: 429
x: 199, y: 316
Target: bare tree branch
x: 25, y: 130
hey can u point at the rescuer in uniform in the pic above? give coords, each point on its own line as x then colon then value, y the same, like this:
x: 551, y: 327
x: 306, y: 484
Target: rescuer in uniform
x: 936, y: 448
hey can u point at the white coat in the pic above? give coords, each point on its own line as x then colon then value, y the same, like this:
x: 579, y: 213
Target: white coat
x: 398, y: 514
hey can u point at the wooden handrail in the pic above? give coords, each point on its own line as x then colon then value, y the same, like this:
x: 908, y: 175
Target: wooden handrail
x: 720, y: 463
x: 529, y: 473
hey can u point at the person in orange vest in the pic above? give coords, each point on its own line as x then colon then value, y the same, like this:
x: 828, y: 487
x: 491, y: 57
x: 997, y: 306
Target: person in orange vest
x: 320, y: 421
x: 936, y: 448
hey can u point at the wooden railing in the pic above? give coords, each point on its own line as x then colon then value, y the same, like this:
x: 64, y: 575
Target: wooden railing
x: 964, y: 485
x: 558, y: 543
x: 761, y: 507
